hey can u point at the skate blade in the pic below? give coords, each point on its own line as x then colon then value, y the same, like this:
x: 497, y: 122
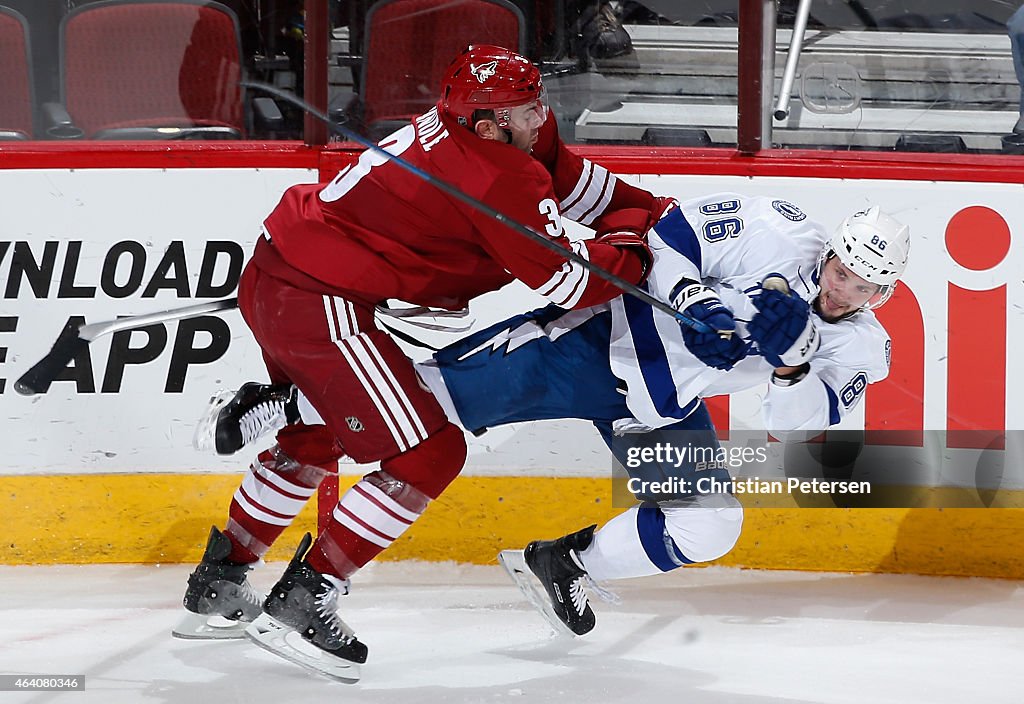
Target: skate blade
x: 204, y: 438
x: 514, y: 562
x: 284, y: 641
x: 208, y: 627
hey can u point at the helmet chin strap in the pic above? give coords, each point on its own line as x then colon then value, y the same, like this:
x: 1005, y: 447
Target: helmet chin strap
x: 502, y: 115
x: 497, y: 123
x: 504, y: 130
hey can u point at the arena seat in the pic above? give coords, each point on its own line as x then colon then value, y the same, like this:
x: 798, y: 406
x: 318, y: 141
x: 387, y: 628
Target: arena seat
x: 152, y: 69
x: 408, y: 44
x: 15, y: 77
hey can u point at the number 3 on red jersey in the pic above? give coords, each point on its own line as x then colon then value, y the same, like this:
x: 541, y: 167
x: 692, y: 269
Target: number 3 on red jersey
x: 549, y: 209
x: 347, y: 178
x: 395, y: 144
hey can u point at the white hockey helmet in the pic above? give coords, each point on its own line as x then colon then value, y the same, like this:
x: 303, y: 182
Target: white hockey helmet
x: 874, y: 246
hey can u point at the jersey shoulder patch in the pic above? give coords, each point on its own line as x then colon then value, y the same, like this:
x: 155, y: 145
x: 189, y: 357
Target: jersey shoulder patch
x: 788, y: 210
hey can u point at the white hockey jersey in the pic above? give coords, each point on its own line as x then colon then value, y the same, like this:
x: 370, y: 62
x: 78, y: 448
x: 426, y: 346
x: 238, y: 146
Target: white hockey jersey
x: 730, y: 243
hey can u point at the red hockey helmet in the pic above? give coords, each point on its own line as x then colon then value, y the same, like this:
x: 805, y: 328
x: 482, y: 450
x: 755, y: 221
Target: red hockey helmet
x: 486, y: 77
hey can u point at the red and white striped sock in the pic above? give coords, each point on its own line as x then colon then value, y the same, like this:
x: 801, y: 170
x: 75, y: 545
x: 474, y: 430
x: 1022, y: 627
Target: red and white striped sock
x: 368, y: 518
x: 272, y: 493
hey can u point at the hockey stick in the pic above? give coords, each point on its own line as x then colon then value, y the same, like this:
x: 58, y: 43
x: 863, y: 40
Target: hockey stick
x: 75, y: 337
x: 528, y: 232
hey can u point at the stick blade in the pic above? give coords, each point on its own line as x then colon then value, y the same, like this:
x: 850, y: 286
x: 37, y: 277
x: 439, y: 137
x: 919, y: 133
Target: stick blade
x: 37, y: 380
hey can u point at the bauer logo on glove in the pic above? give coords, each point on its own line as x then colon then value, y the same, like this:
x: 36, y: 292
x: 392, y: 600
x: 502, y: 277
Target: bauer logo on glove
x: 720, y: 349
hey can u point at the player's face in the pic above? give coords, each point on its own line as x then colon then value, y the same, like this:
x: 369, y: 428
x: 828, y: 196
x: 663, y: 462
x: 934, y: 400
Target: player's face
x: 524, y: 122
x: 842, y: 291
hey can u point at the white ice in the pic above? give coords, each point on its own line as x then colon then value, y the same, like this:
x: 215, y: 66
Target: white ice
x: 449, y: 633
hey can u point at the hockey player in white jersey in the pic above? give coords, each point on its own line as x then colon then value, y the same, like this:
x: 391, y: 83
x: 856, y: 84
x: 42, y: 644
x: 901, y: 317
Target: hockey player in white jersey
x: 717, y: 251
x: 799, y: 302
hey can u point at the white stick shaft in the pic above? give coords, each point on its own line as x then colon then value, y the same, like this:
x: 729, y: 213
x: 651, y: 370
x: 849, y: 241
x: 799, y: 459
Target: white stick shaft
x: 93, y: 330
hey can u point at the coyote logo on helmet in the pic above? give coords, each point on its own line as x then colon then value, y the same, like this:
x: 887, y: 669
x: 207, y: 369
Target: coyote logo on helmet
x: 484, y: 71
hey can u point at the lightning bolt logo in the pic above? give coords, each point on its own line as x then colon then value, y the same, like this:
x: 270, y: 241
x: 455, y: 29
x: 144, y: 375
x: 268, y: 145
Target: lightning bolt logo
x: 512, y: 339
x: 529, y: 330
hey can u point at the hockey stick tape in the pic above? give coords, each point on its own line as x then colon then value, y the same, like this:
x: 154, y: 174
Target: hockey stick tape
x: 774, y: 282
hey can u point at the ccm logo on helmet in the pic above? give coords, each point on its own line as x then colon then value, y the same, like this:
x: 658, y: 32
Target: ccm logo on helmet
x: 483, y: 71
x: 865, y: 262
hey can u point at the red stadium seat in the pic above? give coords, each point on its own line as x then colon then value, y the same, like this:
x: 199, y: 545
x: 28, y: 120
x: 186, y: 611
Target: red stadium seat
x: 130, y: 69
x: 408, y: 44
x: 15, y: 77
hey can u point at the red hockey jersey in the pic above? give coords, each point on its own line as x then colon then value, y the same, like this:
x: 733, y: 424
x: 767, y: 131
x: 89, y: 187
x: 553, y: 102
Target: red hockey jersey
x: 378, y: 231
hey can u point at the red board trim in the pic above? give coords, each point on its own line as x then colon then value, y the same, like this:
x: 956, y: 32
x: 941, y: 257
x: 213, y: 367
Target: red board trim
x: 633, y: 160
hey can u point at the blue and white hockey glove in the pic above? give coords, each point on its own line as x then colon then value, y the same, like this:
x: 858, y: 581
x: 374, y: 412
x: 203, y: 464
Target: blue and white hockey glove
x: 702, y: 303
x: 783, y: 327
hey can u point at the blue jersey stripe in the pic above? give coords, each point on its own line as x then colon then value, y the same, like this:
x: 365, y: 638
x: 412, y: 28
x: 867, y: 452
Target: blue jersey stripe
x: 833, y: 404
x: 677, y: 233
x: 653, y: 360
x: 650, y: 526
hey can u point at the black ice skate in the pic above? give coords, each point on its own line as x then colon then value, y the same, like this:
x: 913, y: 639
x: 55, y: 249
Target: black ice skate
x: 233, y: 419
x: 564, y: 602
x: 602, y: 33
x: 219, y: 599
x: 300, y: 622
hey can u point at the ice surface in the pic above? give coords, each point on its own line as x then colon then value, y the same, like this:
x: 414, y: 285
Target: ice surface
x: 452, y: 634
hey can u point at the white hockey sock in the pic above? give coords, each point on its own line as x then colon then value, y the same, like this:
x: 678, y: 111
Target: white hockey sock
x: 649, y: 539
x: 616, y: 551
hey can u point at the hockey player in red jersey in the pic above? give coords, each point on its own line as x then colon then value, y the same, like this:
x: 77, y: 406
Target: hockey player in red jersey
x: 328, y: 256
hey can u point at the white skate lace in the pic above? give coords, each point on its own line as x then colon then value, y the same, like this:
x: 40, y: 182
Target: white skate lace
x: 603, y: 593
x: 261, y: 419
x: 578, y: 593
x: 327, y: 607
x: 250, y: 595
x: 585, y: 580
